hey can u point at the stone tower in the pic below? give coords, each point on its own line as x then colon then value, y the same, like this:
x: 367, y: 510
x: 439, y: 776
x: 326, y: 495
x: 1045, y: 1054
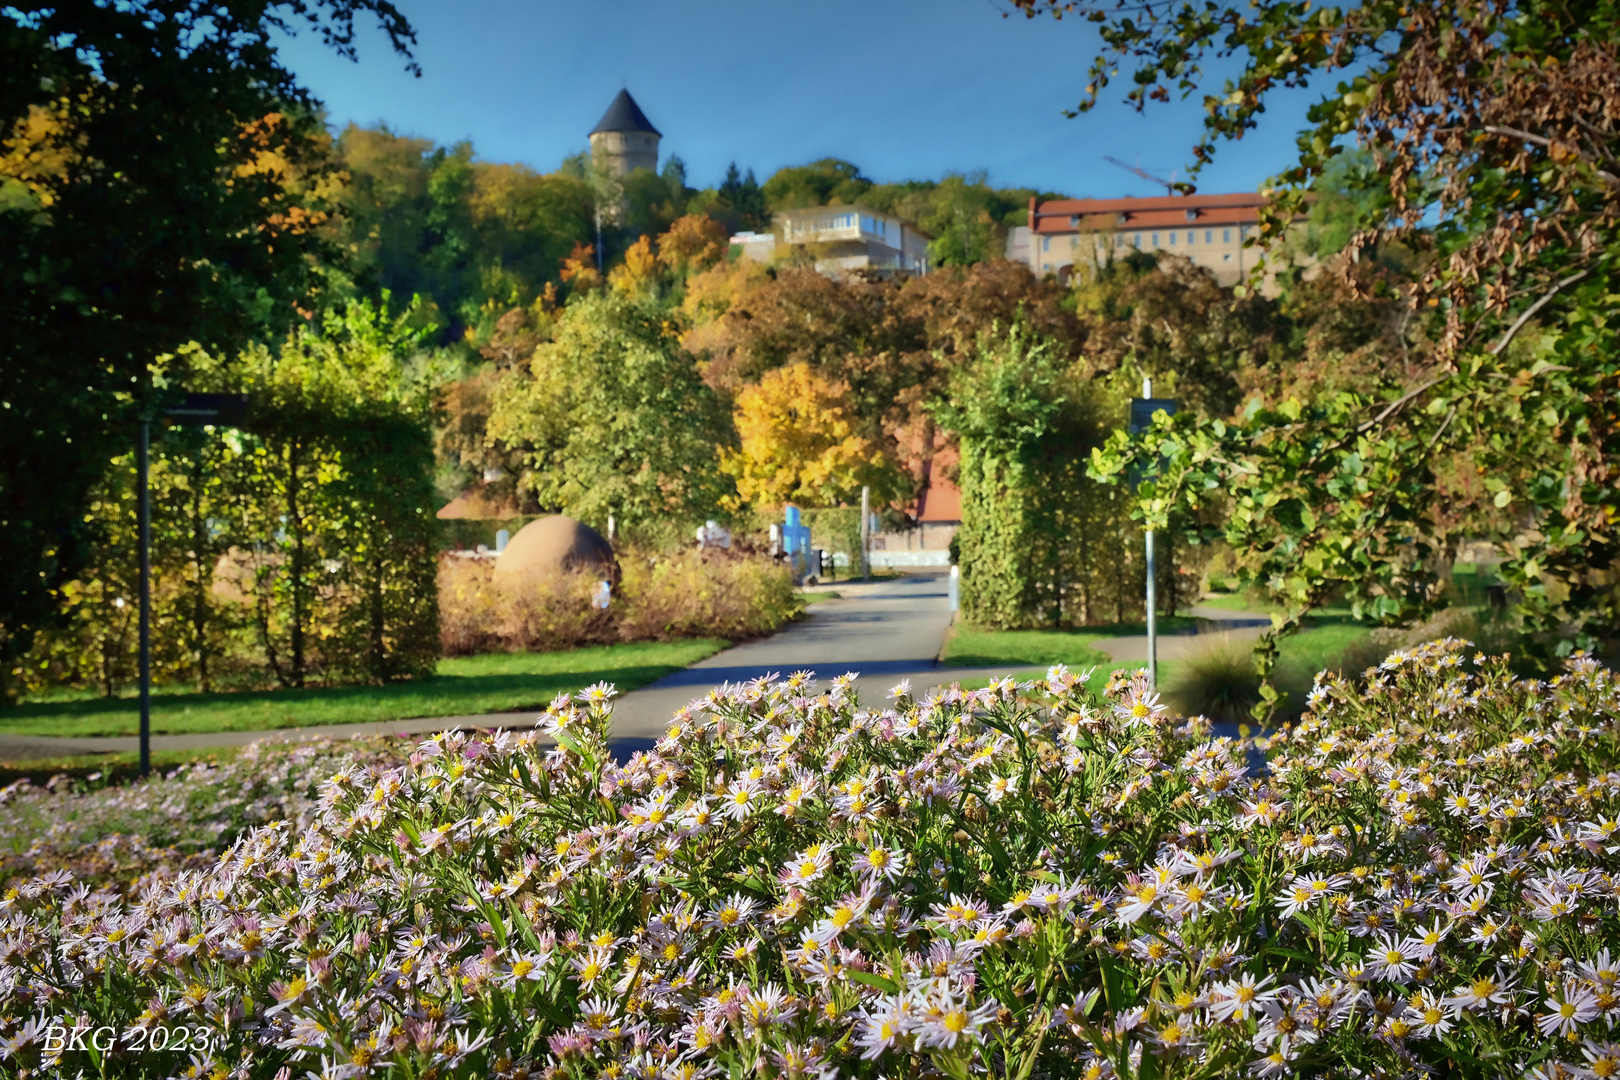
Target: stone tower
x: 625, y: 137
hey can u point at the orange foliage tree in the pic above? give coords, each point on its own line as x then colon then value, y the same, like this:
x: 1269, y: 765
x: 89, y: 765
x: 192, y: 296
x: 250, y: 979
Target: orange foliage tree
x: 693, y: 244
x: 579, y: 269
x: 802, y: 440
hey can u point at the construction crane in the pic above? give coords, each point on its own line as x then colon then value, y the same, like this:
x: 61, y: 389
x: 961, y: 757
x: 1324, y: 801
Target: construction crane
x: 1167, y: 185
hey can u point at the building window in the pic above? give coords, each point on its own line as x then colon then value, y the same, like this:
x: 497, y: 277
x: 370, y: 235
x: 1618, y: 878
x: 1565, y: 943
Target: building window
x: 1172, y: 239
x: 1136, y: 241
x: 1189, y: 236
x: 1226, y: 236
x: 1074, y: 221
x: 1209, y: 236
x: 1046, y: 245
x: 1155, y: 239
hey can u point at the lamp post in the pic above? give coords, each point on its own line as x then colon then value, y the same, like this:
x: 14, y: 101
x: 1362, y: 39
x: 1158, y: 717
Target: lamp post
x: 1142, y: 410
x: 196, y: 410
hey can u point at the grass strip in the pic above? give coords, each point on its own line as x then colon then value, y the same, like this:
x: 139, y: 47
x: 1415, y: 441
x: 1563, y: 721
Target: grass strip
x: 463, y: 686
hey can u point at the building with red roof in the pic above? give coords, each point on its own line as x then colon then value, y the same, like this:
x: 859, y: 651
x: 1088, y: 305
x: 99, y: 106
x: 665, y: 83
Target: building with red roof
x: 1209, y: 230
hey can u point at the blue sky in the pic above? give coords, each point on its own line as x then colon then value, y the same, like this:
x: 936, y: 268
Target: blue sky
x: 905, y: 89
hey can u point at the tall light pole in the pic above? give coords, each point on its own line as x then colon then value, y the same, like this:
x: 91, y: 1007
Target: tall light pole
x: 199, y: 410
x: 1152, y: 589
x: 142, y: 453
x: 1142, y: 410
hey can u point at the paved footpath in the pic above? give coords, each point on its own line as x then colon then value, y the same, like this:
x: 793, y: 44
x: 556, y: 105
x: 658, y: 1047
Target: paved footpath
x: 886, y: 630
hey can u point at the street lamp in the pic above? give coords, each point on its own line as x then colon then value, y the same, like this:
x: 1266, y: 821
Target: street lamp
x: 194, y: 410
x: 1142, y: 410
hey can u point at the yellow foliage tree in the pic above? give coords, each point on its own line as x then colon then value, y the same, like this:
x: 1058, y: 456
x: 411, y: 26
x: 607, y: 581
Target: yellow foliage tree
x: 801, y: 441
x: 638, y: 274
x: 34, y: 154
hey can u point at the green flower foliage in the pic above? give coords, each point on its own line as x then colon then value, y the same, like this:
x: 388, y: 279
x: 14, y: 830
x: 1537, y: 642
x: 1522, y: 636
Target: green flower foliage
x: 1033, y: 880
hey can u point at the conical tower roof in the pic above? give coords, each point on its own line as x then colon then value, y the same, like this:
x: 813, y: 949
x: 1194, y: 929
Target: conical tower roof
x: 624, y: 115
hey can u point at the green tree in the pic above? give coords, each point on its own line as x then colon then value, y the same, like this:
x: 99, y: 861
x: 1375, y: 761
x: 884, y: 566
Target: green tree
x: 743, y: 196
x: 332, y: 500
x: 119, y: 254
x: 820, y: 183
x: 1039, y: 545
x: 611, y: 417
x: 474, y: 238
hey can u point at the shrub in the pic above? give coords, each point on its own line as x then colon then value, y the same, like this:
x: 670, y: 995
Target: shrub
x: 687, y: 594
x: 479, y: 614
x: 1032, y: 880
x: 1219, y: 683
x: 703, y: 593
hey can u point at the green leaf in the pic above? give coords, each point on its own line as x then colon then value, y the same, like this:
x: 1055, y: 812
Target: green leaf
x: 877, y: 982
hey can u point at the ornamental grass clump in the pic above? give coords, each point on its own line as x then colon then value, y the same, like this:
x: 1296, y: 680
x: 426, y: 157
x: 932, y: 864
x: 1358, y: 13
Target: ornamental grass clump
x: 1026, y: 881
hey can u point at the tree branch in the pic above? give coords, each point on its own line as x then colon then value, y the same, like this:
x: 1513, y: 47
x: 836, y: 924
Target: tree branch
x: 1535, y: 307
x: 1543, y: 141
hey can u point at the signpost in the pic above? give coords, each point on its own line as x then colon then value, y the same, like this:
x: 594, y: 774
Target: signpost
x: 1142, y: 410
x: 198, y: 410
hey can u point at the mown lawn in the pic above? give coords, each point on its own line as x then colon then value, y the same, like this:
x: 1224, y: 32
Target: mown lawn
x: 1027, y: 653
x: 463, y: 686
x: 970, y: 646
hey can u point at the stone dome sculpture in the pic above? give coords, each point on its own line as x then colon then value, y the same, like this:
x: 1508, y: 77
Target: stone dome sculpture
x: 554, y: 545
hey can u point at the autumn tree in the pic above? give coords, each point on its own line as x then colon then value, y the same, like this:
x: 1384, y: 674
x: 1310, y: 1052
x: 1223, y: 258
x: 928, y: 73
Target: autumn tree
x: 637, y: 274
x: 1163, y: 317
x: 802, y: 441
x: 693, y: 244
x: 891, y: 342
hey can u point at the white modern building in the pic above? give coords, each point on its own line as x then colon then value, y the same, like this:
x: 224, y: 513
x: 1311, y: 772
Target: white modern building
x: 842, y: 239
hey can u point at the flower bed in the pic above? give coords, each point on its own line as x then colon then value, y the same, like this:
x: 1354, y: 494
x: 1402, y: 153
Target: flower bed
x: 1020, y: 881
